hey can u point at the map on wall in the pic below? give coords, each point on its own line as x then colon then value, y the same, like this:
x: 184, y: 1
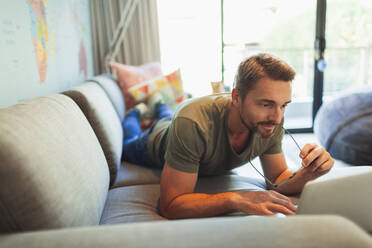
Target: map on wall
x: 40, y: 35
x: 81, y: 29
x: 46, y: 47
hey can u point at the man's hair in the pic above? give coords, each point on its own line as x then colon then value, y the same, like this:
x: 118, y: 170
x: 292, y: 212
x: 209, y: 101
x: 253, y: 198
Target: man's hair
x: 262, y: 65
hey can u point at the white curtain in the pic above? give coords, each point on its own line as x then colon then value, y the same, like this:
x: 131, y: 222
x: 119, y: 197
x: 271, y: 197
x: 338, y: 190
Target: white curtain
x: 141, y: 42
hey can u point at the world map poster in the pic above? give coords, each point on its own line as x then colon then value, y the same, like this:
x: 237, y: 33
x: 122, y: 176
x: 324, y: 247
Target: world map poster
x: 46, y: 47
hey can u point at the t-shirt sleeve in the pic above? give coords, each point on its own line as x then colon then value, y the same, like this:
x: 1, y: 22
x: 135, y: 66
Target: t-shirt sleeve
x: 185, y: 146
x: 276, y: 143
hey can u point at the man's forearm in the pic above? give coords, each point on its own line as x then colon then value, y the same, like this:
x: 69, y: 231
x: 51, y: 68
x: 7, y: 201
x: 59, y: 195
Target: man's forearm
x: 197, y: 205
x: 293, y: 186
x: 297, y: 183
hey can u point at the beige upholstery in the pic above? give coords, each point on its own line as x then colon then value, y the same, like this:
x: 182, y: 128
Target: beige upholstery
x: 132, y: 174
x: 137, y: 200
x: 113, y: 92
x: 225, y: 183
x: 132, y: 204
x: 104, y: 120
x: 256, y: 232
x: 348, y: 195
x: 46, y: 178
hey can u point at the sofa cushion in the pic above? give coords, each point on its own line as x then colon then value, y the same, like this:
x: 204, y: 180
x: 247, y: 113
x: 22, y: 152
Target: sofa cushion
x: 129, y: 76
x: 132, y: 204
x: 225, y: 183
x: 111, y: 87
x: 132, y: 174
x: 102, y: 116
x: 321, y: 231
x: 168, y: 86
x: 53, y: 172
x: 232, y: 182
x: 140, y: 202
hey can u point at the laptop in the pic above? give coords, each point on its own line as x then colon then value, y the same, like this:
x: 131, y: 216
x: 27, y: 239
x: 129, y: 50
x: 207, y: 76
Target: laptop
x: 346, y: 192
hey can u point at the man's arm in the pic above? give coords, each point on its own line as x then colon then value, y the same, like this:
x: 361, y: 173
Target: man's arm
x: 177, y: 199
x: 276, y: 170
x: 316, y: 161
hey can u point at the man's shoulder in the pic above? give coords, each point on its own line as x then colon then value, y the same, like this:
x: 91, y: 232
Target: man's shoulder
x: 202, y: 106
x: 205, y: 113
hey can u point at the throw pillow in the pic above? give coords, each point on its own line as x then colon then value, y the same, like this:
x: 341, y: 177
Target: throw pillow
x: 129, y: 76
x: 169, y: 87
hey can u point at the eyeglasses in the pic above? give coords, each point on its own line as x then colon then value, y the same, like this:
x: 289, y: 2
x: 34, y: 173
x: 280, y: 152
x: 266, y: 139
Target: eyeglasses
x: 275, y: 185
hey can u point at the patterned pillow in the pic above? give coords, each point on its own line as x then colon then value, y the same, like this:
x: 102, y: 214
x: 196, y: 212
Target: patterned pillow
x: 169, y: 86
x: 129, y: 76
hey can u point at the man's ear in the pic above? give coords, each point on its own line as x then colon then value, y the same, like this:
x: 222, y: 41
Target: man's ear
x: 235, y: 96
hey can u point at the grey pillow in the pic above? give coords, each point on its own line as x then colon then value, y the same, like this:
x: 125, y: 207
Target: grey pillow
x: 104, y: 120
x: 344, y: 126
x: 53, y: 172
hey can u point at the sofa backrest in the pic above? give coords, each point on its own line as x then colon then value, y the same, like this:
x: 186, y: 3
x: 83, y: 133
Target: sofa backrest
x: 53, y: 172
x: 102, y: 116
x: 113, y: 91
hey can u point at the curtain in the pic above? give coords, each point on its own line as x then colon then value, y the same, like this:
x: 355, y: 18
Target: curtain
x: 141, y: 42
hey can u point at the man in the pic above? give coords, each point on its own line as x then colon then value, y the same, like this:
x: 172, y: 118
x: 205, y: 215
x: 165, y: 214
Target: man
x: 214, y: 134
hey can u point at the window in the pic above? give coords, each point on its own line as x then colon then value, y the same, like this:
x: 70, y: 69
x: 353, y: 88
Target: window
x: 283, y: 28
x: 190, y: 38
x: 349, y: 46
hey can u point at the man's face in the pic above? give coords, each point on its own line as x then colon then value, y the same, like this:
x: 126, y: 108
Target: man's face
x: 264, y: 105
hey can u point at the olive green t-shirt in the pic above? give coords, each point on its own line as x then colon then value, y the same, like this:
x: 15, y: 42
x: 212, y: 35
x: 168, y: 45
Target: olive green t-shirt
x: 197, y: 139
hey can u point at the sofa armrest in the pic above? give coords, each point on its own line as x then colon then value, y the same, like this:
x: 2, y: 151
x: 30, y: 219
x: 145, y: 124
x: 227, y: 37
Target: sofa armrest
x: 297, y: 231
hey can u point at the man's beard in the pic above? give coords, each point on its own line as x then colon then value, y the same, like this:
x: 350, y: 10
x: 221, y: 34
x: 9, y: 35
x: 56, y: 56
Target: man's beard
x: 254, y: 128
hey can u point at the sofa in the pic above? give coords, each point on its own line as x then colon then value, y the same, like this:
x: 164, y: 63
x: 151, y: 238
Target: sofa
x: 63, y: 184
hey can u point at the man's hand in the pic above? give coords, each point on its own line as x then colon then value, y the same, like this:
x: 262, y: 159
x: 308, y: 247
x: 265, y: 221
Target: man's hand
x: 263, y: 203
x: 316, y: 160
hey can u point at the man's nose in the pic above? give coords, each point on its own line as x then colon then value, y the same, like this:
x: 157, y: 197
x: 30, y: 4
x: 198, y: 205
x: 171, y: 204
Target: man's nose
x: 277, y: 115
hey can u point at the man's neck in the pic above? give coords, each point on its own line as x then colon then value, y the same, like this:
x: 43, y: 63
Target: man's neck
x: 234, y: 123
x: 238, y: 133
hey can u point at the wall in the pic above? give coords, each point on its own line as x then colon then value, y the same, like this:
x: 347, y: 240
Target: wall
x: 45, y: 47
